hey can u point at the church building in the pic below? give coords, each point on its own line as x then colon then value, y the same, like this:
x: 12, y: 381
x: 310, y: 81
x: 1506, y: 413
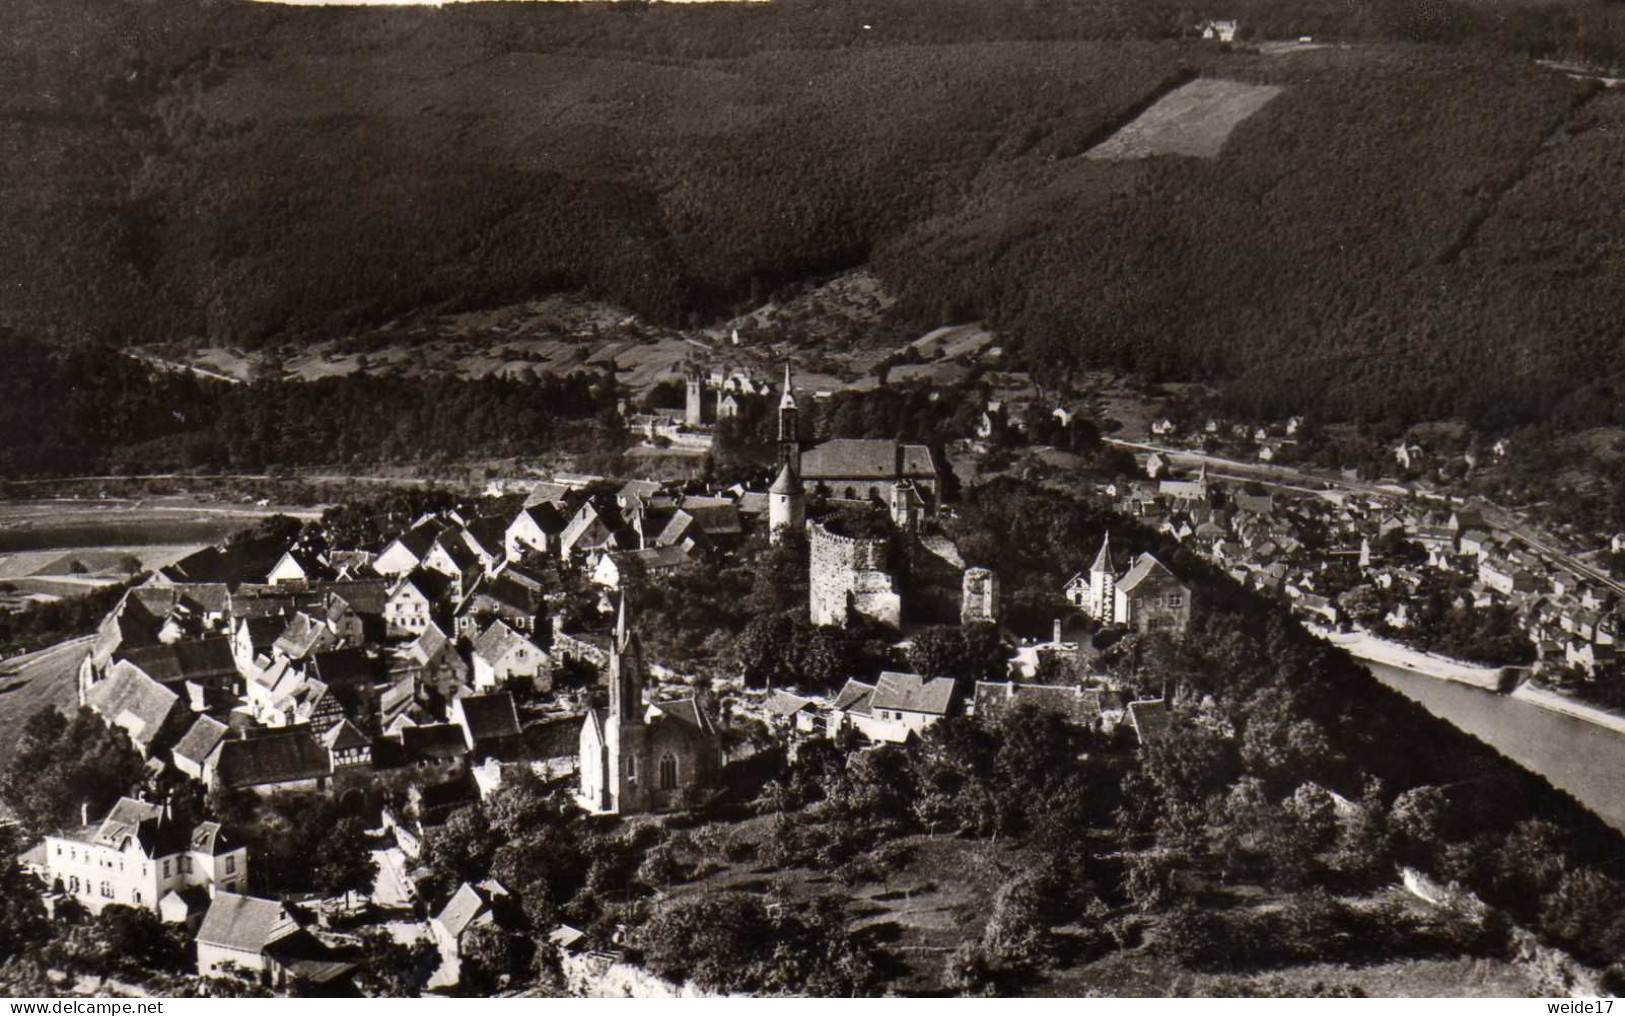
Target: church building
x: 636, y: 757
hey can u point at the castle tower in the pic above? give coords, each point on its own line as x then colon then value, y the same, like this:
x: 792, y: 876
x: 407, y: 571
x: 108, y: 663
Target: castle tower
x: 1102, y: 603
x: 979, y: 597
x: 903, y: 502
x: 789, y: 432
x: 694, y: 405
x: 786, y: 505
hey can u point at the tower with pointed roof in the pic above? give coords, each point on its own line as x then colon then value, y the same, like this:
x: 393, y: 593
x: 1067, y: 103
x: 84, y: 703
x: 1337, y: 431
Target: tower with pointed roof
x: 789, y: 432
x: 1101, y: 603
x: 786, y: 505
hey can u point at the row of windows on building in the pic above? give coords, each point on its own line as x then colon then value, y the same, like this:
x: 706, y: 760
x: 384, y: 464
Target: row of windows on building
x: 181, y: 864
x: 668, y: 771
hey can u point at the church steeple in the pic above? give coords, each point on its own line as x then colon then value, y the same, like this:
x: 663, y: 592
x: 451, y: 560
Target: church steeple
x: 789, y: 429
x: 625, y: 672
x: 1103, y: 560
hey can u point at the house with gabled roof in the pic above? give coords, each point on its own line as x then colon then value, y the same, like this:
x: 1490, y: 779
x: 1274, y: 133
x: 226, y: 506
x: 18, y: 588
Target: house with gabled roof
x: 500, y: 597
x: 851, y: 709
x: 490, y: 723
x: 195, y: 746
x: 415, y: 600
x: 906, y: 705
x: 451, y: 556
x: 1150, y: 598
x: 259, y: 938
x: 990, y: 699
x: 150, y: 713
x: 473, y: 905
x: 534, y: 528
x: 502, y: 654
x: 270, y: 762
x: 407, y: 551
x: 433, y: 663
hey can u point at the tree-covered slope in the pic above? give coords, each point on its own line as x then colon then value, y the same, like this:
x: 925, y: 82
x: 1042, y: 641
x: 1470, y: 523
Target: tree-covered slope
x: 1413, y: 206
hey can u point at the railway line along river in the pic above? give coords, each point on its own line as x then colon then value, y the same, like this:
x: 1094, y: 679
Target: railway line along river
x: 1578, y: 756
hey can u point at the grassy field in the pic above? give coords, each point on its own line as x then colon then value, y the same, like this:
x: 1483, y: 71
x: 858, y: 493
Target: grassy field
x: 1193, y: 120
x: 37, y: 681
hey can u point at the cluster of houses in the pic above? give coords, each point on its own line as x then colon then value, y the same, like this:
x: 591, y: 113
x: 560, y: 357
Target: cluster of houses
x: 1317, y: 551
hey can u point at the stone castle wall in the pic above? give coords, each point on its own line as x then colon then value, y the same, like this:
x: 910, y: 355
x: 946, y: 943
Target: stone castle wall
x: 851, y: 576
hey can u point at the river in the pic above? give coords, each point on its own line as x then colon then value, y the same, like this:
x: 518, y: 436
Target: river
x: 1582, y: 758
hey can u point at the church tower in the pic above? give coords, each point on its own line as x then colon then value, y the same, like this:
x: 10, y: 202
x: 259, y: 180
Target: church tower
x: 789, y: 429
x: 625, y: 732
x: 786, y: 505
x: 1102, y: 605
x: 694, y: 401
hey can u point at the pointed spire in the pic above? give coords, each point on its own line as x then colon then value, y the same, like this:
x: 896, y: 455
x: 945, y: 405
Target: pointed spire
x: 622, y: 625
x: 1103, y: 560
x: 786, y: 482
x: 788, y: 399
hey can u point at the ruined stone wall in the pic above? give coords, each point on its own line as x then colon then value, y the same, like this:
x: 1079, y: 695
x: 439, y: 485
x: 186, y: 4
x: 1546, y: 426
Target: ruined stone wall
x: 850, y: 576
x: 979, y: 598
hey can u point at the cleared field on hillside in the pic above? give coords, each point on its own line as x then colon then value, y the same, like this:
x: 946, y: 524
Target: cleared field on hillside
x: 1193, y: 120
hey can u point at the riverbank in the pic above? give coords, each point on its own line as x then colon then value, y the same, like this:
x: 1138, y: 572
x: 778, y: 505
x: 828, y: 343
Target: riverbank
x: 1372, y: 649
x: 1366, y: 646
x: 1548, y: 699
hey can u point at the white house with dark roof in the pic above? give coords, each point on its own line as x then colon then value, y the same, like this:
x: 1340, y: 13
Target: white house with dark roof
x: 192, y: 752
x: 905, y: 705
x: 534, y: 528
x: 259, y: 938
x: 130, y: 700
x: 502, y: 654
x: 490, y: 723
x: 137, y: 855
x: 473, y: 905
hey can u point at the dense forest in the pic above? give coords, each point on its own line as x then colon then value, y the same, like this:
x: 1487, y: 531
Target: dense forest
x: 1415, y: 204
x: 90, y: 409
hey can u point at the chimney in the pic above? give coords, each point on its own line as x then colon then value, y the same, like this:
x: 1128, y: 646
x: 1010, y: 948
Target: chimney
x: 898, y: 449
x: 84, y: 812
x: 1057, y: 638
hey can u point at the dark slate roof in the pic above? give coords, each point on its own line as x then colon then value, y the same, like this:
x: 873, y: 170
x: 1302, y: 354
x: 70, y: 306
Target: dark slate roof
x: 308, y: 958
x: 687, y: 711
x: 992, y: 697
x: 503, y: 593
x: 467, y: 904
x: 1150, y: 718
x: 457, y: 548
x: 865, y: 459
x: 547, y: 517
x: 489, y: 717
x: 488, y: 534
x: 855, y: 697
x: 345, y: 735
x: 431, y: 584
x: 782, y: 703
x: 281, y: 757
x: 198, y: 660
x: 129, y: 698
x: 1144, y: 568
x: 246, y: 923
x: 201, y: 739
x: 498, y: 640
x: 913, y: 693
x: 435, y: 741
x: 344, y: 667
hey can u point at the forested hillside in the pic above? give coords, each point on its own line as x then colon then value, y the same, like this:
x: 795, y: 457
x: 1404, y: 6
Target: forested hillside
x: 1414, y: 205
